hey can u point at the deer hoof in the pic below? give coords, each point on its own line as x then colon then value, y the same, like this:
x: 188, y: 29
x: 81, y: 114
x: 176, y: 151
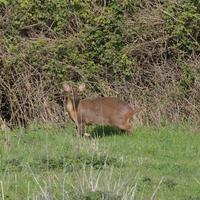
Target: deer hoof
x: 86, y: 134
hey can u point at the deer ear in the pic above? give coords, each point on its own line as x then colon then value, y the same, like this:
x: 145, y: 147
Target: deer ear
x: 81, y: 87
x: 67, y: 87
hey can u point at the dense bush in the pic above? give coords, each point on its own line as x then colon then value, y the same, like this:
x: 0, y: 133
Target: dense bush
x: 182, y: 23
x: 144, y: 51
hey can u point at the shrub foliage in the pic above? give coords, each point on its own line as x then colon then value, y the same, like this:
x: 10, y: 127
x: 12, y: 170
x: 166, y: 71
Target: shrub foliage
x: 146, y: 52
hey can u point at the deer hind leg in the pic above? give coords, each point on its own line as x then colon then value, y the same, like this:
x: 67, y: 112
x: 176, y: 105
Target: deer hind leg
x: 130, y: 124
x: 127, y: 126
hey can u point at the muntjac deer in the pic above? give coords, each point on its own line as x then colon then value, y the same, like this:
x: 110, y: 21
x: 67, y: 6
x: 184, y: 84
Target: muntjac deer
x: 100, y: 110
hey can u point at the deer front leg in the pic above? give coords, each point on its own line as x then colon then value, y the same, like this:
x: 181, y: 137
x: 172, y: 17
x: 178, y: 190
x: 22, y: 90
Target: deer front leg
x: 80, y: 129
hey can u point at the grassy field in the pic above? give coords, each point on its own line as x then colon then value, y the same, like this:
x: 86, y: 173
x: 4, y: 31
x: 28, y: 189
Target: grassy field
x: 45, y: 162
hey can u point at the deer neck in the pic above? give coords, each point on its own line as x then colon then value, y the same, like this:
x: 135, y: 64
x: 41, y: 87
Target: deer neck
x: 72, y: 106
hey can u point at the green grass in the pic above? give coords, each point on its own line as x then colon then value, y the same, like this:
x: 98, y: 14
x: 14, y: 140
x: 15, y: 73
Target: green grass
x: 45, y: 162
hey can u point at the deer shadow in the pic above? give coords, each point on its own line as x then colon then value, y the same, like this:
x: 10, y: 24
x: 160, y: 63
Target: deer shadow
x: 102, y: 131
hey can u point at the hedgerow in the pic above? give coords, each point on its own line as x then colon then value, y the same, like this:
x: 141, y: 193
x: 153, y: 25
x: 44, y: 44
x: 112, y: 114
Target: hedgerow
x: 146, y: 52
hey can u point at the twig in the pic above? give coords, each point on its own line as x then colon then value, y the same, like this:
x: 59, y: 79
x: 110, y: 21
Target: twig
x: 157, y: 188
x: 2, y: 190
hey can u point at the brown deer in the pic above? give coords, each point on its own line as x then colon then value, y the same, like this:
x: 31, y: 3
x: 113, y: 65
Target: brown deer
x: 100, y: 110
